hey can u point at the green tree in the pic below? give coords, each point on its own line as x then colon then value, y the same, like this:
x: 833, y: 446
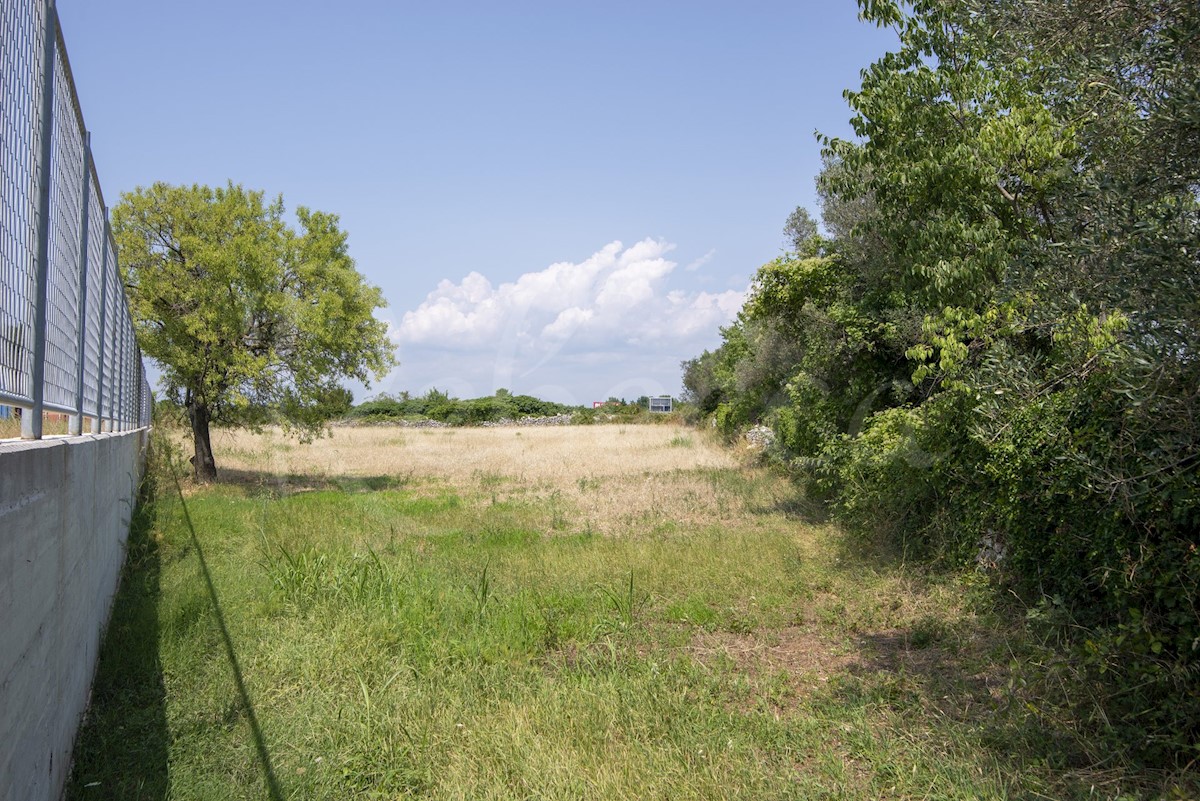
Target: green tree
x: 800, y: 228
x: 251, y: 320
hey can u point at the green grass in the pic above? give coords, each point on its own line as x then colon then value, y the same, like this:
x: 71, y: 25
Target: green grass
x: 393, y: 642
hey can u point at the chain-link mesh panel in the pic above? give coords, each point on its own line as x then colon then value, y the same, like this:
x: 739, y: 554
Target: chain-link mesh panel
x: 125, y: 370
x: 110, y: 344
x: 133, y: 382
x: 91, y: 357
x: 21, y: 27
x: 135, y: 406
x: 134, y: 394
x: 66, y: 196
x: 119, y: 369
x: 91, y: 328
x: 147, y: 404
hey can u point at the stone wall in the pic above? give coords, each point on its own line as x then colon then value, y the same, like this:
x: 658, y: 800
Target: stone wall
x: 65, y: 506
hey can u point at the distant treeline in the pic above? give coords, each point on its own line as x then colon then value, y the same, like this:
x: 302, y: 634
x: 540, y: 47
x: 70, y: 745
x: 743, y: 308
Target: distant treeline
x: 992, y: 350
x: 443, y: 408
x: 439, y: 406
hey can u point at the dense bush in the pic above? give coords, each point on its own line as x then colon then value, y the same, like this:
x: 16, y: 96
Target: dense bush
x: 994, y: 351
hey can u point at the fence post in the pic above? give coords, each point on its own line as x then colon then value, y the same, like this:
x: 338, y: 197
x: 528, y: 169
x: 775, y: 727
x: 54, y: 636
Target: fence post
x: 98, y: 423
x: 31, y: 419
x: 77, y: 419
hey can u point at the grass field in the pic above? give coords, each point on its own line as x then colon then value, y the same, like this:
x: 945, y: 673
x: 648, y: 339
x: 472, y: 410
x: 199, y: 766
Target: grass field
x: 560, y: 613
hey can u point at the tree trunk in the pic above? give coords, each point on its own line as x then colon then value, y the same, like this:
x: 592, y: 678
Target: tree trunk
x: 204, y: 467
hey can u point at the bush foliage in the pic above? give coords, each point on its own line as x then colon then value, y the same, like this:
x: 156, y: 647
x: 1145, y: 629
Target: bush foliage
x: 994, y: 345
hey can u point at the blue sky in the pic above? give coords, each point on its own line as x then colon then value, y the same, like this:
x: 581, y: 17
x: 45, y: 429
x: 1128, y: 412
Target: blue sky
x: 563, y: 199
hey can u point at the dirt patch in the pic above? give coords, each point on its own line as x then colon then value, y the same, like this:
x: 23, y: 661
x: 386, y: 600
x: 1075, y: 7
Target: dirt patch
x: 800, y: 652
x: 895, y: 651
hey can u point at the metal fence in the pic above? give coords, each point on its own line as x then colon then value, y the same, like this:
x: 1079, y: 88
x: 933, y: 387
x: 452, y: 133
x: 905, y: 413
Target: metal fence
x: 66, y: 337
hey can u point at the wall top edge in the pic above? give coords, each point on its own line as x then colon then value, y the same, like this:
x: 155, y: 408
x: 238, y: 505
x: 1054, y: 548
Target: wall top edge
x: 55, y: 440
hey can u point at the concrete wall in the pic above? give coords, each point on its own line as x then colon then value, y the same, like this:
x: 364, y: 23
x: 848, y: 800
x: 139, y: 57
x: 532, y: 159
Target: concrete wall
x: 65, y: 507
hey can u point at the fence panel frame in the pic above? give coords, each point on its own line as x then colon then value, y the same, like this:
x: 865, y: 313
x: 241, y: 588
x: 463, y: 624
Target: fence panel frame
x: 22, y: 51
x: 97, y: 369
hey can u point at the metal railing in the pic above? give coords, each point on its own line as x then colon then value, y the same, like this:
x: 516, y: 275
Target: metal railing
x: 66, y: 336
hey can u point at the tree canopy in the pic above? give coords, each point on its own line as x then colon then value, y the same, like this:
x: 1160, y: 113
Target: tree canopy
x: 251, y: 320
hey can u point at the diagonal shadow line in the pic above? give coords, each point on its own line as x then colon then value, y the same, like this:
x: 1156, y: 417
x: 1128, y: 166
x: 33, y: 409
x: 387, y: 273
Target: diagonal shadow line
x: 260, y: 744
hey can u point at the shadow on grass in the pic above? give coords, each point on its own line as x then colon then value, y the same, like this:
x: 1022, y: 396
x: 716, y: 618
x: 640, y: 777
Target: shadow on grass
x: 260, y: 744
x: 975, y: 688
x: 965, y: 679
x: 794, y: 507
x: 790, y: 499
x: 121, y: 750
x: 959, y: 688
x: 262, y: 482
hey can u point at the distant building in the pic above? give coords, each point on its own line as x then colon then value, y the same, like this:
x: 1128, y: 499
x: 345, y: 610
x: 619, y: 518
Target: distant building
x: 661, y: 404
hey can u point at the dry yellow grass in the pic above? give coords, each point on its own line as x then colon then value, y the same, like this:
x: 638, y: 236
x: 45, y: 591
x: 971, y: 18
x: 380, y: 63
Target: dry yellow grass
x: 555, y: 455
x: 53, y: 425
x: 607, y: 478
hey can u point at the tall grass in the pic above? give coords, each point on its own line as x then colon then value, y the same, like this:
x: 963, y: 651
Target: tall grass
x: 435, y: 640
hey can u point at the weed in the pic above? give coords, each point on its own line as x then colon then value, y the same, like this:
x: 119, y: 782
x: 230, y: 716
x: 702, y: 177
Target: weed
x: 587, y: 484
x: 558, y: 516
x: 295, y: 575
x: 481, y: 590
x: 624, y: 602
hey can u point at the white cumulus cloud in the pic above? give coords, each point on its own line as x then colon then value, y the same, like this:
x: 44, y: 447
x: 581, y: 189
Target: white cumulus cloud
x: 611, y: 324
x: 616, y: 296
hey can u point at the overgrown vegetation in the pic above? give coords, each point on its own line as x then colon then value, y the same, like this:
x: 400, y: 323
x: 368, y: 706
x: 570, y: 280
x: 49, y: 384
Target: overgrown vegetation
x: 992, y: 352
x: 468, y: 634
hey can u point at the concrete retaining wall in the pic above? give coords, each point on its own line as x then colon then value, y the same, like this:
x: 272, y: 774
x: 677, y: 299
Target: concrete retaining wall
x: 65, y: 507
